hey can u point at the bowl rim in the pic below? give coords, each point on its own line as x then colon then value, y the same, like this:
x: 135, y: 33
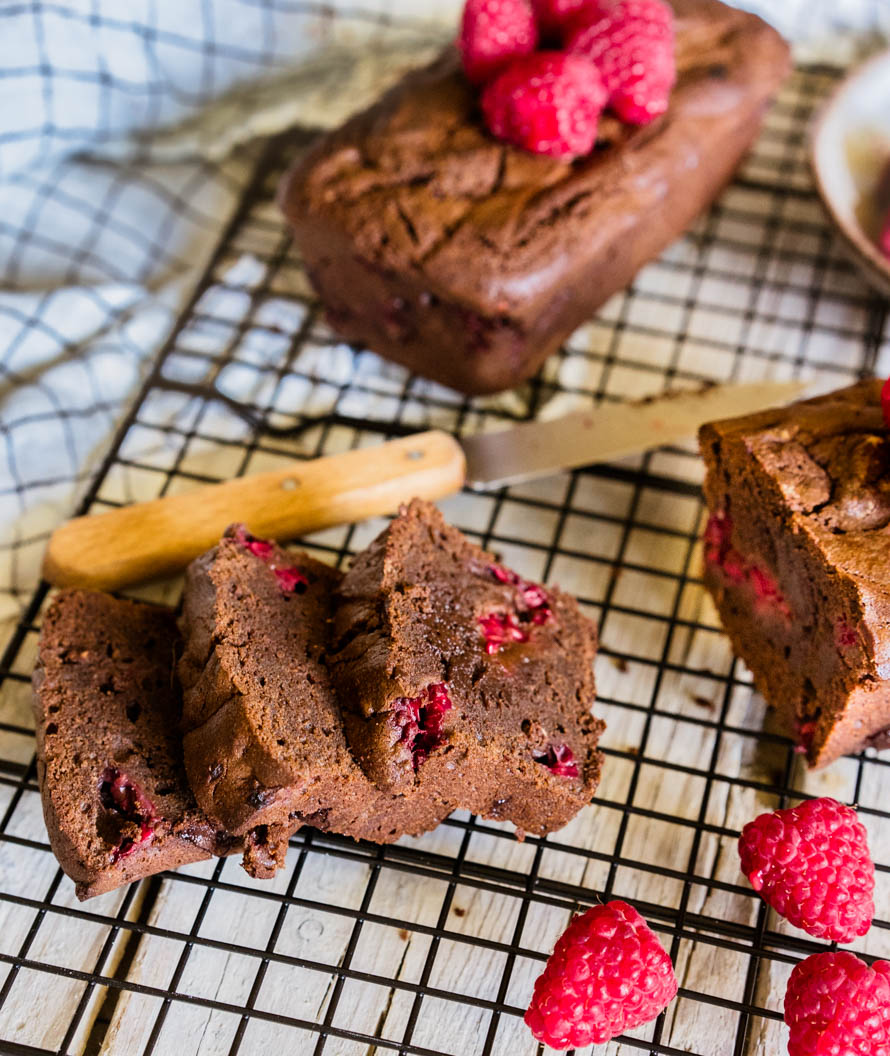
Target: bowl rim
x: 867, y: 252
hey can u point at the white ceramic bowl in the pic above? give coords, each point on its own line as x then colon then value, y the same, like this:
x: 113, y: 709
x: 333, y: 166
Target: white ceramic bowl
x: 849, y: 151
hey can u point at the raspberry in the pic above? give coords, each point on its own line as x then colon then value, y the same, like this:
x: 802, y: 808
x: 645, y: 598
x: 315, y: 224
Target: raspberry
x: 120, y: 795
x: 884, y: 237
x: 764, y: 585
x: 547, y: 103
x: 492, y: 32
x: 806, y: 730
x: 291, y: 580
x: 504, y: 575
x: 260, y: 548
x: 718, y: 536
x: 554, y: 15
x: 498, y: 628
x: 559, y: 759
x: 631, y: 42
x: 739, y: 570
x: 607, y: 974
x: 835, y: 1003
x: 885, y: 402
x: 845, y: 635
x: 811, y: 863
x: 420, y: 721
x: 534, y: 597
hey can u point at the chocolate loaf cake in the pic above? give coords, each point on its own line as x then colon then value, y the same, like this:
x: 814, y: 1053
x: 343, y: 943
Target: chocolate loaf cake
x: 470, y: 261
x: 796, y: 556
x: 455, y: 674
x: 264, y: 743
x: 106, y: 707
x: 462, y: 685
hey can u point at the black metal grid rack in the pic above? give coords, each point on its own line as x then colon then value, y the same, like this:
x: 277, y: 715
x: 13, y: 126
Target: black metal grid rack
x: 431, y: 946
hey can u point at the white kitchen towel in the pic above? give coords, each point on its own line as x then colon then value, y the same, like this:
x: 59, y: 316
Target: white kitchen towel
x: 128, y: 130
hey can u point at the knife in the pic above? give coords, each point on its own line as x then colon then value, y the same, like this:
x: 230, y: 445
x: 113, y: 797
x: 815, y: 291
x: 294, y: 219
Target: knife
x: 150, y: 540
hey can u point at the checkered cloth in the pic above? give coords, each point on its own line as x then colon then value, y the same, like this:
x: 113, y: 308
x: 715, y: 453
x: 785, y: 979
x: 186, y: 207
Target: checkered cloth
x: 127, y: 136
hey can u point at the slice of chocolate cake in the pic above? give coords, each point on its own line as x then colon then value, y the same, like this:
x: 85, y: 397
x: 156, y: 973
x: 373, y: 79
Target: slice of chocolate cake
x: 454, y: 673
x: 106, y: 706
x: 265, y: 747
x: 796, y: 556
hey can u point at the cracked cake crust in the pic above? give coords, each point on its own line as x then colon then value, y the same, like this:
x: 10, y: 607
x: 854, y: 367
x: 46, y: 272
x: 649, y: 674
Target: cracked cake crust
x: 468, y: 260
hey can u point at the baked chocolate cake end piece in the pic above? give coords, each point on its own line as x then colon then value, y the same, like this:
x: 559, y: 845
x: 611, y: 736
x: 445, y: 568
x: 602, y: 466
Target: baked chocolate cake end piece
x: 468, y: 260
x: 264, y: 745
x: 107, y: 708
x: 797, y: 549
x: 454, y: 673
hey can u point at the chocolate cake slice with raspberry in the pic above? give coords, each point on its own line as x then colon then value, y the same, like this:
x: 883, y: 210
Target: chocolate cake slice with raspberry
x: 109, y: 759
x: 469, y: 260
x: 797, y: 551
x: 456, y: 674
x: 264, y: 745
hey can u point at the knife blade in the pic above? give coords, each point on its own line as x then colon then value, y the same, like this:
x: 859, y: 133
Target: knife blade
x: 149, y: 540
x: 610, y: 431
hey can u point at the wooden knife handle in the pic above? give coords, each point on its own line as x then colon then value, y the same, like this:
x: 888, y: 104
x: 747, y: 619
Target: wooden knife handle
x: 153, y: 539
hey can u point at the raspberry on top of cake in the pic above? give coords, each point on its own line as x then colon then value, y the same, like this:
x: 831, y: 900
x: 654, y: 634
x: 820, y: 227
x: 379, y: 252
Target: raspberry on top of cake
x: 489, y: 203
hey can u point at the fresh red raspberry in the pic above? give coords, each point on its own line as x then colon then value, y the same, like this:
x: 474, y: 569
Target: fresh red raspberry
x: 811, y: 863
x: 548, y: 103
x: 290, y: 579
x: 631, y: 42
x: 884, y: 237
x: 492, y: 32
x: 885, y: 402
x: 835, y: 1003
x: 555, y: 15
x: 607, y: 974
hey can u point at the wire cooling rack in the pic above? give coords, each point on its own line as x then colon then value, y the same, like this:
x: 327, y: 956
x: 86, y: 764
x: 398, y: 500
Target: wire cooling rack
x: 431, y: 946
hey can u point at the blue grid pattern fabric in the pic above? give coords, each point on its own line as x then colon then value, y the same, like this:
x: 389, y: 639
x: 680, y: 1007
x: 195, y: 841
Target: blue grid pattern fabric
x: 128, y: 131
x: 117, y: 176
